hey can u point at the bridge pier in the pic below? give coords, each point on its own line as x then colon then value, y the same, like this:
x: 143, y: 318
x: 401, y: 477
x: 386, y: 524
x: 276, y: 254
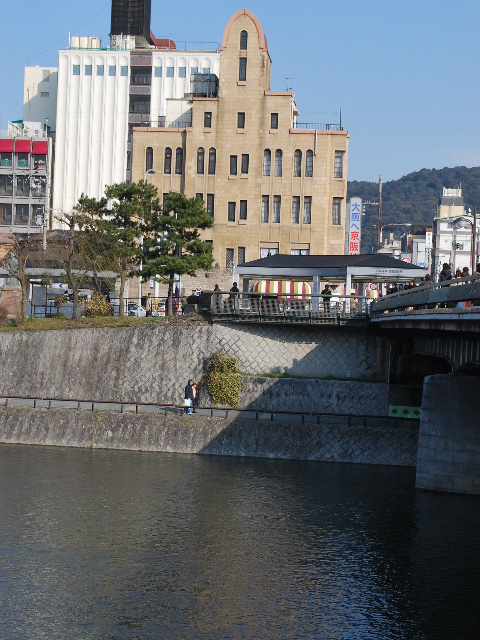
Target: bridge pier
x: 448, y: 456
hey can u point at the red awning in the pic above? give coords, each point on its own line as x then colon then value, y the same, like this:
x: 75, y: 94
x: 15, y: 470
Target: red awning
x: 22, y: 146
x: 6, y: 146
x: 40, y: 148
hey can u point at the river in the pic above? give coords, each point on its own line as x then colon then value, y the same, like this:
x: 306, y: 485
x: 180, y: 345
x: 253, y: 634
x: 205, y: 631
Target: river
x: 119, y: 544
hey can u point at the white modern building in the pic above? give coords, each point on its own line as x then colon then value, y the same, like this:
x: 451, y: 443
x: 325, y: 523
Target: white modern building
x: 40, y: 96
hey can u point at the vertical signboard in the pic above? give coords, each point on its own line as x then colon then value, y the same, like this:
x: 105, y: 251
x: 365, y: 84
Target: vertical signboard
x: 355, y: 227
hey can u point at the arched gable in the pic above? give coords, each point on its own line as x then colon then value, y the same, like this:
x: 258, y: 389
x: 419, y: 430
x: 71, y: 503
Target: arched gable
x: 262, y: 40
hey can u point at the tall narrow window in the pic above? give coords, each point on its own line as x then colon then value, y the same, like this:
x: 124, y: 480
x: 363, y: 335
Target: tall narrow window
x: 245, y: 162
x: 278, y: 163
x: 274, y: 121
x: 100, y: 69
x: 309, y: 164
x: 211, y: 204
x: 277, y: 204
x: 296, y: 210
x: 267, y: 161
x: 242, y: 70
x: 297, y: 163
x: 76, y: 69
x: 241, y: 255
x: 231, y: 211
x: 148, y: 158
x: 243, y: 209
x: 179, y: 161
x: 212, y: 161
x: 338, y: 167
x: 265, y: 208
x: 243, y: 40
x: 207, y: 119
x: 165, y: 203
x: 229, y: 258
x: 337, y: 211
x: 200, y: 160
x: 241, y: 120
x: 168, y: 161
x: 307, y: 210
x: 233, y: 165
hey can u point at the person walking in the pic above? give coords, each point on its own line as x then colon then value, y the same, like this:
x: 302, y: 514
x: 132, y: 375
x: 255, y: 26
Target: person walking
x: 189, y: 396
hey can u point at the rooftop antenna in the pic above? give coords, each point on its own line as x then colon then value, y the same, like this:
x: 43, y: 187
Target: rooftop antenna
x: 286, y: 79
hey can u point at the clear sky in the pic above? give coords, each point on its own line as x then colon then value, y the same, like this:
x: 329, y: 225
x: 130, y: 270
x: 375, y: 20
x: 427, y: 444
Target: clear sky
x: 405, y: 73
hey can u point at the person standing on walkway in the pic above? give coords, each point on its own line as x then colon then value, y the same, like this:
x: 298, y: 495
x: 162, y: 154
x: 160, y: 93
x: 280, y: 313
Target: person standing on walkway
x: 149, y: 305
x: 188, y: 401
x: 326, y: 294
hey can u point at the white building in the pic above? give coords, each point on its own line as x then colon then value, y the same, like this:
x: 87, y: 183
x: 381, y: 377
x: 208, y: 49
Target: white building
x: 40, y: 96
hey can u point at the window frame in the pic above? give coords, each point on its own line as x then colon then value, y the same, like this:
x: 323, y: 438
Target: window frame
x: 278, y: 171
x: 242, y: 69
x: 200, y: 160
x: 265, y: 214
x: 211, y: 204
x: 231, y: 214
x: 337, y: 211
x: 309, y: 164
x: 233, y: 165
x: 148, y: 158
x: 167, y: 161
x: 245, y: 163
x: 274, y: 120
x: 297, y: 163
x: 179, y: 155
x: 295, y: 209
x: 243, y: 40
x: 338, y: 164
x: 241, y: 120
x: 307, y: 210
x: 243, y: 212
x: 212, y: 161
x: 207, y: 120
x: 276, y: 209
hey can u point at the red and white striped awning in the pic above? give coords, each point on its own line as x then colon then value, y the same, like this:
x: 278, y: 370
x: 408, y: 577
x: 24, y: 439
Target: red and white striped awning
x: 286, y: 289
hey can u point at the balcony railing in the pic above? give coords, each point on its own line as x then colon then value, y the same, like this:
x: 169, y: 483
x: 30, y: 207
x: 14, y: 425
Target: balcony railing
x: 320, y: 126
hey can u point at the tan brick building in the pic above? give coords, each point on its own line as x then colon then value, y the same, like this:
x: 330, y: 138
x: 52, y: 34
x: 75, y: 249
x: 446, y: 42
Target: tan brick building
x: 270, y: 185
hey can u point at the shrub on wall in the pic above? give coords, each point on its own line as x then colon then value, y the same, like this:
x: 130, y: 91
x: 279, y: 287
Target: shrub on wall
x: 97, y: 306
x: 223, y: 380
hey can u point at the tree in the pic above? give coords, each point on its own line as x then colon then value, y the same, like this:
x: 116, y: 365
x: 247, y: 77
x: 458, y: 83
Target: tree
x: 171, y: 240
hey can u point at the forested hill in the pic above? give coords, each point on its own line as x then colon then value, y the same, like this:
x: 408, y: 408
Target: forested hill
x: 414, y: 198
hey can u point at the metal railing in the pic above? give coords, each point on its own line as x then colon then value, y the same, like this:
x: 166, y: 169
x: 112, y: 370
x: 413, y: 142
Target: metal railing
x: 321, y: 126
x: 289, y: 308
x: 446, y: 294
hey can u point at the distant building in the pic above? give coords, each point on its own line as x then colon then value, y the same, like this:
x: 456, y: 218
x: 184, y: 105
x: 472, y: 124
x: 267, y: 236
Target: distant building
x: 270, y: 184
x: 40, y: 96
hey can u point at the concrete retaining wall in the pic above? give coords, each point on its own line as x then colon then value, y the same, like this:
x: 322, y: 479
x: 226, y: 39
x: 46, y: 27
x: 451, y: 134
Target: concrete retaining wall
x: 368, y: 441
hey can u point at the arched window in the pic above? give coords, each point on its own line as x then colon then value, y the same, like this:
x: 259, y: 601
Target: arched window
x: 309, y: 164
x: 243, y: 40
x: 179, y: 160
x: 212, y: 161
x: 297, y: 163
x: 200, y: 160
x: 167, y: 168
x: 267, y: 162
x: 278, y: 163
x: 148, y: 158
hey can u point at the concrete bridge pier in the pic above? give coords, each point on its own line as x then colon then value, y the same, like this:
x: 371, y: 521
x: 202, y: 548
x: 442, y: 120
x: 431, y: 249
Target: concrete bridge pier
x: 449, y: 440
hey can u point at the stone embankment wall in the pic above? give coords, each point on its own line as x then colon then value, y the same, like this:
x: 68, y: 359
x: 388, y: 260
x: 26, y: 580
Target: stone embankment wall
x: 153, y: 364
x: 334, y: 439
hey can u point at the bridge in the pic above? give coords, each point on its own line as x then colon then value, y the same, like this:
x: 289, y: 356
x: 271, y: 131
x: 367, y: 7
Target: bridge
x: 430, y: 336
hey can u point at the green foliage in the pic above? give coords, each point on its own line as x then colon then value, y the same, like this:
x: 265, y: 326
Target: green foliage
x: 223, y: 380
x: 414, y: 198
x: 97, y: 306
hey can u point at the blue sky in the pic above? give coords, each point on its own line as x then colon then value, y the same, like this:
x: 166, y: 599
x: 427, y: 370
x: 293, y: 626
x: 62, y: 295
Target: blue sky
x: 404, y: 72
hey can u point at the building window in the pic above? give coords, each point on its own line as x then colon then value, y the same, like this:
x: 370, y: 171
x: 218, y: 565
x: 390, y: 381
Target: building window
x: 199, y: 196
x: 242, y: 70
x: 300, y: 252
x: 229, y: 258
x: 179, y: 161
x: 21, y: 214
x: 158, y: 72
x: 277, y: 204
x: 278, y: 163
x: 241, y: 255
x: 265, y: 252
x: 241, y: 120
x: 100, y: 69
x: 337, y: 211
x: 148, y: 158
x: 139, y: 104
x: 22, y: 160
x: 206, y: 70
x: 267, y: 161
x: 112, y: 70
x: 307, y: 210
x: 297, y: 163
x: 231, y: 211
x: 274, y: 121
x: 5, y: 159
x: 169, y: 72
x: 211, y: 204
x: 200, y: 160
x: 182, y: 72
x: 243, y: 209
x: 212, y: 161
x: 88, y: 69
x: 309, y: 164
x: 168, y: 161
x: 245, y: 162
x: 207, y: 119
x: 243, y: 40
x: 124, y: 71
x: 44, y: 94
x: 265, y: 208
x: 338, y: 166
x: 6, y: 185
x: 296, y: 210
x: 38, y: 211
x: 76, y: 69
x: 5, y: 213
x: 193, y: 70
x: 165, y: 203
x: 233, y: 165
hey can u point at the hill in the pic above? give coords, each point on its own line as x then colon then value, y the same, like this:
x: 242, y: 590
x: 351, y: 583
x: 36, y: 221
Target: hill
x: 413, y: 198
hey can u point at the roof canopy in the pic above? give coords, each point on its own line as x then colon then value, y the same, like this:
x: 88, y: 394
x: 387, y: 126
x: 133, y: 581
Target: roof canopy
x: 366, y: 268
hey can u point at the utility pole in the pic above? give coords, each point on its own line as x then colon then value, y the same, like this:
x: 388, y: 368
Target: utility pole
x: 379, y: 214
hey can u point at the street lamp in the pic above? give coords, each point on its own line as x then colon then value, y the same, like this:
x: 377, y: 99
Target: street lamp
x: 147, y: 172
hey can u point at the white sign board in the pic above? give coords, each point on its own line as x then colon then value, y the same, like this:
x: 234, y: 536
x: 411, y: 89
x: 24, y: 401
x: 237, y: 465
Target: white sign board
x: 355, y: 228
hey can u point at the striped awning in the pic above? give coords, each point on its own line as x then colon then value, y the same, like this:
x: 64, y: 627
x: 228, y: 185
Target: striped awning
x: 286, y: 289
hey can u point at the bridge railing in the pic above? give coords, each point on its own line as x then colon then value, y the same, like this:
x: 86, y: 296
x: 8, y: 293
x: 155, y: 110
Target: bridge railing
x: 431, y: 296
x: 288, y: 308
